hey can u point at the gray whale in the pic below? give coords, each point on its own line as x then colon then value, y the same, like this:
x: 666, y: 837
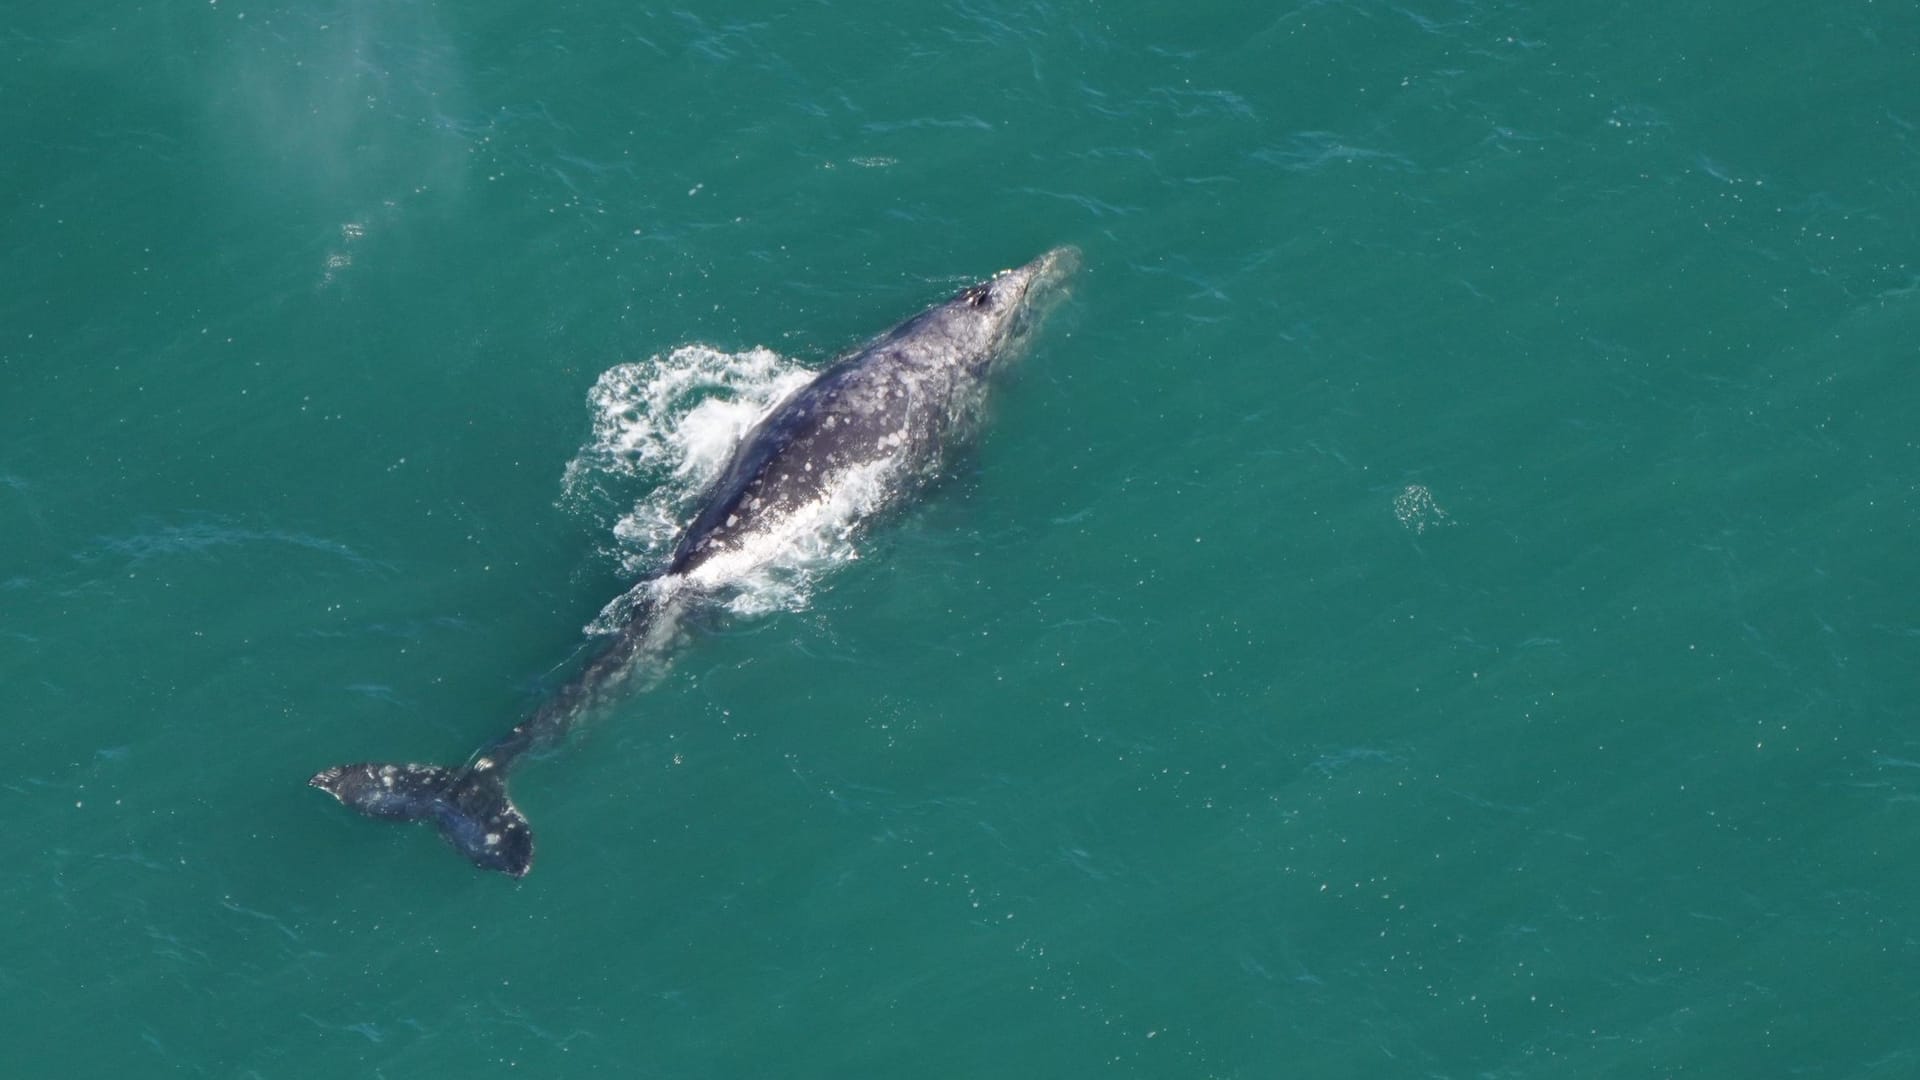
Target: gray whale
x: 885, y: 413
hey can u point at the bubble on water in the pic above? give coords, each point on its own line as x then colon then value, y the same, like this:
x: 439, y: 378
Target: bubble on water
x: 1417, y: 510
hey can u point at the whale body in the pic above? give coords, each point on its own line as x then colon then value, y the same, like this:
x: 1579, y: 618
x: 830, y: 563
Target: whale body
x: 865, y: 434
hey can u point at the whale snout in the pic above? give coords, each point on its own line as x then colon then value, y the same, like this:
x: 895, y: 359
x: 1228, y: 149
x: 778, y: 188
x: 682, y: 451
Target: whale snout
x: 1062, y: 262
x: 1046, y: 272
x: 1038, y: 287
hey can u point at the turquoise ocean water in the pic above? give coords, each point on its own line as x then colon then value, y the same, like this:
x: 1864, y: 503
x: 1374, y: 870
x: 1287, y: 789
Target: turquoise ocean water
x: 1440, y: 600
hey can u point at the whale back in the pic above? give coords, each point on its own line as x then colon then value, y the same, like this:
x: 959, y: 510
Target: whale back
x: 893, y: 407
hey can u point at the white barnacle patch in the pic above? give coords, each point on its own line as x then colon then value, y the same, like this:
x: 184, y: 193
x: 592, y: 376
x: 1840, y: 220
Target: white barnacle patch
x: 731, y: 518
x: 483, y: 764
x: 493, y: 839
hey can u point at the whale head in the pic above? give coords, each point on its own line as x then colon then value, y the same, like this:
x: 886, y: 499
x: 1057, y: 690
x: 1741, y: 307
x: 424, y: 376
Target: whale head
x: 991, y: 322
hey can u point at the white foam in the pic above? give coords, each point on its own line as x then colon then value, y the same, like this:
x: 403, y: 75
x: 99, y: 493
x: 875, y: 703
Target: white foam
x: 667, y: 426
x: 670, y: 422
x: 683, y: 411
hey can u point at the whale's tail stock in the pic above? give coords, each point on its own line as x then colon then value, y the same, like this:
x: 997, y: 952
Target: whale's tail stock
x: 470, y: 806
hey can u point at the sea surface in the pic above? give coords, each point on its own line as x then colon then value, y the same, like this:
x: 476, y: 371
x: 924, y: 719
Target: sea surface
x: 1441, y: 598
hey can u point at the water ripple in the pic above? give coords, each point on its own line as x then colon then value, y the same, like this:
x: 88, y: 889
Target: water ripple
x: 1311, y: 151
x: 200, y: 537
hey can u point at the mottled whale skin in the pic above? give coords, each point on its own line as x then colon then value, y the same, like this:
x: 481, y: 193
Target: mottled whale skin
x: 889, y: 410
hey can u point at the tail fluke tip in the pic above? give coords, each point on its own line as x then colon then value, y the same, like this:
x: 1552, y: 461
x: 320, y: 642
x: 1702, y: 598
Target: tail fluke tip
x: 470, y: 807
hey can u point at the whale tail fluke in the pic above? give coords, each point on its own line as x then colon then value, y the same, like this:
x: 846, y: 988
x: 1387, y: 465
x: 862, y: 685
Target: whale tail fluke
x: 470, y: 806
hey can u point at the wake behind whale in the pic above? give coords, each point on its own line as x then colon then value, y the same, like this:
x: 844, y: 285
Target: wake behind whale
x: 867, y: 433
